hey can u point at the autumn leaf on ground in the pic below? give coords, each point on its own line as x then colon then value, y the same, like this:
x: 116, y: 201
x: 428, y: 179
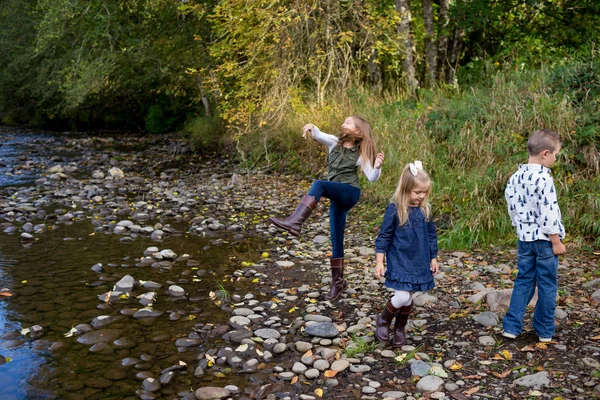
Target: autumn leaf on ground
x: 211, y: 360
x: 507, y: 354
x: 319, y: 392
x: 456, y: 366
x: 593, y: 338
x: 309, y: 353
x: 330, y: 373
x: 502, y: 375
x: 474, y: 389
x: 294, y: 379
x: 5, y: 294
x: 541, y: 346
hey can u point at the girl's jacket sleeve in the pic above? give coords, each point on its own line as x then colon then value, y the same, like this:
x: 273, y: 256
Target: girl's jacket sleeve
x: 433, y: 243
x: 386, y: 232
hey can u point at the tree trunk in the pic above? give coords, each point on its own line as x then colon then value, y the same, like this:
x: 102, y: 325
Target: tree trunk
x: 443, y: 21
x: 455, y: 54
x: 403, y: 28
x: 430, y: 46
x: 205, y: 100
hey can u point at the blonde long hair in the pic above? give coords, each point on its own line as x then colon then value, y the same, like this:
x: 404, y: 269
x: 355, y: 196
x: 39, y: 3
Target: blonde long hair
x: 401, y: 196
x: 363, y: 137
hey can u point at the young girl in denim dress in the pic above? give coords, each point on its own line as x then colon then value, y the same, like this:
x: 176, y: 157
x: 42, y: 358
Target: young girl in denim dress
x: 408, y: 240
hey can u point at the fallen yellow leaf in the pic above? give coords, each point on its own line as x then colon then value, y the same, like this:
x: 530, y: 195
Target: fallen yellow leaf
x: 319, y: 392
x: 507, y: 354
x: 294, y: 379
x: 330, y: 373
x: 456, y: 366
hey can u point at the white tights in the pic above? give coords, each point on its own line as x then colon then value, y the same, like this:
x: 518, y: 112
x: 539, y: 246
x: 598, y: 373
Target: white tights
x: 401, y: 298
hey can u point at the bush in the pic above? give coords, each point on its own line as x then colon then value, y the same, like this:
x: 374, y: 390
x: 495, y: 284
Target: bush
x: 205, y: 133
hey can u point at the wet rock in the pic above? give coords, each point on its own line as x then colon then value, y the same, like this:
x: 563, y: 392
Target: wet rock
x: 36, y: 332
x: 102, y: 348
x: 211, y: 393
x: 99, y: 336
x: 151, y: 385
x: 125, y: 284
x: 144, y: 313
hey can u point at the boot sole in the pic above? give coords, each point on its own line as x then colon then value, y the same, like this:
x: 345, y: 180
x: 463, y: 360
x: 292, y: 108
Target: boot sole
x: 285, y: 228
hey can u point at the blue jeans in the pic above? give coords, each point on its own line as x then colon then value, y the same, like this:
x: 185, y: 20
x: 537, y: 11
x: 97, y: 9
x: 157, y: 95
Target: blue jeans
x: 537, y: 265
x: 343, y: 197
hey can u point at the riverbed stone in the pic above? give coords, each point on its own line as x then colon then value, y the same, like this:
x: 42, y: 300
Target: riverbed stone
x: 322, y: 329
x: 99, y: 336
x: 211, y: 393
x: 267, y: 333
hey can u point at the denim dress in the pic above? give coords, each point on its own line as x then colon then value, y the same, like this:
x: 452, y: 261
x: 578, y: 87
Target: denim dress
x: 409, y: 249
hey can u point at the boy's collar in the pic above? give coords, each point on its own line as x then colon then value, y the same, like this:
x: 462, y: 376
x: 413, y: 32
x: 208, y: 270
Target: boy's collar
x: 535, y: 167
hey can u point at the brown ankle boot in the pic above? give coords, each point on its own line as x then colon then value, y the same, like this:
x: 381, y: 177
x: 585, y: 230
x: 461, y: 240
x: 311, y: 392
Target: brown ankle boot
x: 401, y: 320
x: 338, y: 284
x: 293, y: 224
x: 384, y: 320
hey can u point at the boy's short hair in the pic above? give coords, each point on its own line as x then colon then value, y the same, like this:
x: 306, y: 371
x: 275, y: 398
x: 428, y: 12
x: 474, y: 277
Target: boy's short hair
x: 543, y: 139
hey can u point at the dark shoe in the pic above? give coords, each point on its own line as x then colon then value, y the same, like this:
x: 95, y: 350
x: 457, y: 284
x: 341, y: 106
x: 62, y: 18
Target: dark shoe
x: 384, y: 320
x: 293, y: 224
x: 338, y: 284
x: 401, y: 320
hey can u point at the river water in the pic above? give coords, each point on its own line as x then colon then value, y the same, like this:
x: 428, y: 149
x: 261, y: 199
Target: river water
x: 49, y: 282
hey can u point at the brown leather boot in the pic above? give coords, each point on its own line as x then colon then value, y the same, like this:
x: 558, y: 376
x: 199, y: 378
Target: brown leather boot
x: 384, y: 320
x: 401, y: 320
x: 293, y: 224
x: 338, y: 284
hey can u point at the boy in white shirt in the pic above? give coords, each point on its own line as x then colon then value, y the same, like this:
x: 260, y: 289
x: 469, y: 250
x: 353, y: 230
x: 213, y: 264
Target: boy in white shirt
x: 533, y: 209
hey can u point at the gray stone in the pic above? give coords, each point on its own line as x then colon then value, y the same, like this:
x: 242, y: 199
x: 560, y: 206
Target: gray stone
x: 535, y: 381
x: 487, y: 318
x: 419, y: 368
x: 320, y: 239
x: 101, y: 335
x: 176, y: 291
x: 424, y: 299
x: 322, y: 329
x: 429, y: 383
x: 312, y: 373
x: 499, y: 300
x: 299, y: 368
x: 340, y: 365
x: 303, y: 347
x: 487, y: 340
x: 125, y: 284
x: 267, y: 333
x: 211, y: 393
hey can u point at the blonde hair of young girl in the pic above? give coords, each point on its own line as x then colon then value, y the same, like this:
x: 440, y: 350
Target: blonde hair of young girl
x: 402, y: 194
x: 363, y: 136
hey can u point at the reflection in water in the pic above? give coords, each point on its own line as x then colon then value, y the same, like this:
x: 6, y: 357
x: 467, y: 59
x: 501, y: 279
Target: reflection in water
x: 54, y: 287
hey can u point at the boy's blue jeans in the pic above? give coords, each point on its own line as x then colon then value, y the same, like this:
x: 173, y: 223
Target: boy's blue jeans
x: 537, y: 264
x: 343, y: 197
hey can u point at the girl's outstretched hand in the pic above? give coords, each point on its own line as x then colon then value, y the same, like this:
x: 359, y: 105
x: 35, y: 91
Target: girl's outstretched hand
x: 379, y: 271
x: 379, y: 160
x: 308, y: 128
x: 434, y: 267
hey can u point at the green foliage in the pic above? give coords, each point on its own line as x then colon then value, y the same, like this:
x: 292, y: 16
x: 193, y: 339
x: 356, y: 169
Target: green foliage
x: 360, y: 345
x: 205, y: 132
x: 471, y: 142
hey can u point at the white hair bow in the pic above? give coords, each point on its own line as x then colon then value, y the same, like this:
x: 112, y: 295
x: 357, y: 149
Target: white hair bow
x: 414, y: 166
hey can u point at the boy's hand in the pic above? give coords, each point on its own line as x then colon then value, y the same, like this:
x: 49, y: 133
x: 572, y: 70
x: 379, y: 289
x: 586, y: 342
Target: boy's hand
x: 558, y: 248
x: 307, y: 129
x: 379, y: 271
x: 434, y: 267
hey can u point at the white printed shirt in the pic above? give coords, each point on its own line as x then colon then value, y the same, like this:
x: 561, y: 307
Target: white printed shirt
x: 532, y: 203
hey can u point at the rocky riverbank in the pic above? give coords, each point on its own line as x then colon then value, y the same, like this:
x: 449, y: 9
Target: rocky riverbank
x: 279, y: 338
